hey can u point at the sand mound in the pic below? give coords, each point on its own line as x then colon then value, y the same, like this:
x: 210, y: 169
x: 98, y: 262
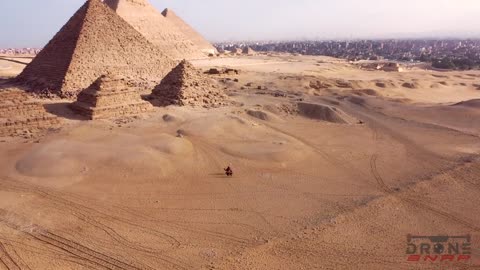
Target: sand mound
x: 323, y: 113
x: 108, y: 97
x: 385, y: 84
x: 473, y: 103
x: 56, y: 159
x: 440, y: 76
x: 265, y: 116
x: 241, y: 137
x: 169, y: 118
x: 381, y: 84
x: 341, y: 83
x: 186, y: 85
x: 444, y: 83
x: 282, y: 109
x: 320, y: 84
x: 357, y: 100
x: 368, y: 92
x: 410, y: 85
x: 173, y: 145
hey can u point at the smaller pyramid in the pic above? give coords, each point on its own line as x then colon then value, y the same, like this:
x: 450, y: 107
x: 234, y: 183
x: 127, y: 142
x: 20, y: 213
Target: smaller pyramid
x: 109, y: 96
x: 248, y: 51
x: 21, y: 116
x: 237, y: 51
x: 186, y: 85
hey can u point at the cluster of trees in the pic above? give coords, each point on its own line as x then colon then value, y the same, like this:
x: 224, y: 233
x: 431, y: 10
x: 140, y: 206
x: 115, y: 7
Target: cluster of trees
x: 453, y: 63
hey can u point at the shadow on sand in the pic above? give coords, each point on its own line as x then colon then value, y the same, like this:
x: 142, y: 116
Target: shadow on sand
x: 153, y: 100
x: 63, y: 110
x: 14, y: 61
x: 219, y: 175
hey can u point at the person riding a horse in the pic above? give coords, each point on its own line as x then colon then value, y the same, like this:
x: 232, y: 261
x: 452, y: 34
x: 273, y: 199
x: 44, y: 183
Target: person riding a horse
x: 229, y: 171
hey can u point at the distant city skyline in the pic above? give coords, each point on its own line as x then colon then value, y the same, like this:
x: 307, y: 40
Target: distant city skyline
x: 32, y: 23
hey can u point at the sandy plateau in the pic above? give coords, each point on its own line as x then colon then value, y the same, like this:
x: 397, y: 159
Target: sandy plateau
x: 333, y: 165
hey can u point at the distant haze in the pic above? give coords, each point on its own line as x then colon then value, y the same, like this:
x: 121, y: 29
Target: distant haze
x: 31, y: 23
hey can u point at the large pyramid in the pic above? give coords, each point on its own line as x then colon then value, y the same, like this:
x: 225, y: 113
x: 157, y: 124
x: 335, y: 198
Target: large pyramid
x: 186, y: 85
x: 156, y: 28
x: 110, y: 96
x: 188, y: 31
x: 93, y: 42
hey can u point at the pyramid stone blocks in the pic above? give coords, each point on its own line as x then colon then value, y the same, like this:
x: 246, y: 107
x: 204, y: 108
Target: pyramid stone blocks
x: 20, y: 116
x: 156, y: 28
x: 94, y: 41
x: 189, y: 32
x: 185, y: 85
x: 110, y: 96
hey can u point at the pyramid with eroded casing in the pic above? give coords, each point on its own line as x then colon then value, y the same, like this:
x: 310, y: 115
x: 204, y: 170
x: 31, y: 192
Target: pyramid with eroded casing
x: 93, y: 42
x: 189, y: 31
x: 110, y: 96
x: 187, y: 86
x: 147, y: 20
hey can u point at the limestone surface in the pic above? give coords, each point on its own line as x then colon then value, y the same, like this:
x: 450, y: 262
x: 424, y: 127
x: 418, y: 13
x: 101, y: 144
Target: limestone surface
x: 186, y: 85
x: 110, y: 96
x: 189, y: 32
x: 147, y: 20
x: 93, y: 42
x: 21, y: 116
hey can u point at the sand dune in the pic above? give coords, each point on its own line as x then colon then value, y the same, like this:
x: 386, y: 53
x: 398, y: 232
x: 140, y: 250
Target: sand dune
x: 262, y: 115
x: 473, y: 103
x: 57, y: 159
x: 322, y: 112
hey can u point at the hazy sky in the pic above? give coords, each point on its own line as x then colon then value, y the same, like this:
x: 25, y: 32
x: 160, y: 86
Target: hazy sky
x: 31, y: 23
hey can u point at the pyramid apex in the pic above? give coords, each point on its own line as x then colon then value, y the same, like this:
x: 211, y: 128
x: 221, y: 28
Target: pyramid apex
x: 166, y: 12
x: 184, y: 64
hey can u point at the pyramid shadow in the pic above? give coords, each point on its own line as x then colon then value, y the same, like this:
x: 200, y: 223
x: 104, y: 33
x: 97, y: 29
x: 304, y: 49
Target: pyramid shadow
x: 24, y: 57
x: 3, y: 82
x: 63, y: 110
x: 9, y: 82
x: 155, y: 101
x: 13, y: 61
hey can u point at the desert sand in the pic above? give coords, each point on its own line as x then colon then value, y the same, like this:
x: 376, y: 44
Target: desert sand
x: 334, y: 167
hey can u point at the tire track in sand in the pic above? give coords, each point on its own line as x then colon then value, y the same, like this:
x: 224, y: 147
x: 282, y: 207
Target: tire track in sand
x: 415, y: 202
x: 418, y: 202
x: 68, y: 246
x: 7, y: 260
x: 85, y: 214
